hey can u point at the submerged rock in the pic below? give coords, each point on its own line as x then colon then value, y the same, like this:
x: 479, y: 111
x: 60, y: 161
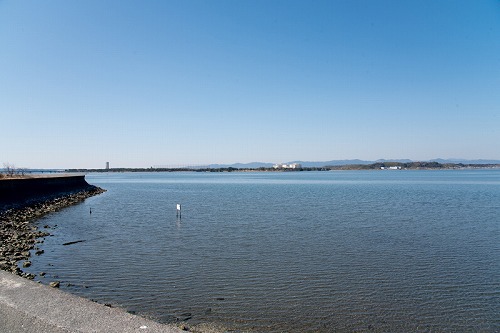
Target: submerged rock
x: 55, y: 284
x: 184, y: 316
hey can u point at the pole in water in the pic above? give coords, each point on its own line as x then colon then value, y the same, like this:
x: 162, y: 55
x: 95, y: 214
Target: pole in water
x: 90, y: 210
x: 179, y: 210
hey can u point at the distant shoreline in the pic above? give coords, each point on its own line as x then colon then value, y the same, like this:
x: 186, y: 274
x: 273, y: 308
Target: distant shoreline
x: 374, y: 166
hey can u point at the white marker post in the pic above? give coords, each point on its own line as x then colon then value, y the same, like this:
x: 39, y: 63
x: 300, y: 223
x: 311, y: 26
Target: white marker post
x: 179, y: 210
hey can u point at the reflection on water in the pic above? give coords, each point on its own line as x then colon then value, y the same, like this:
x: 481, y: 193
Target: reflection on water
x: 295, y: 252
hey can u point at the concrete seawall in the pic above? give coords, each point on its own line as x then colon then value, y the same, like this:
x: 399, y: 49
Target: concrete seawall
x: 18, y: 191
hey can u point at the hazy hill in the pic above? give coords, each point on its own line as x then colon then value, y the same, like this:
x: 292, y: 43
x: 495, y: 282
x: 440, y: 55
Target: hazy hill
x: 312, y: 164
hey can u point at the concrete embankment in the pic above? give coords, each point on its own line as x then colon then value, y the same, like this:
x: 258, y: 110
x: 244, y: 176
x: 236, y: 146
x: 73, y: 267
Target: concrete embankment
x: 22, y: 201
x: 27, y: 306
x: 18, y: 191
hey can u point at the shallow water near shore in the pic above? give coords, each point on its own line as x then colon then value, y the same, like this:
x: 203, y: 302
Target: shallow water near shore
x: 339, y: 251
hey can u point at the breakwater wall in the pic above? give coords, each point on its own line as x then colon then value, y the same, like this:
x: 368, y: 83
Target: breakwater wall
x: 20, y: 191
x: 22, y: 201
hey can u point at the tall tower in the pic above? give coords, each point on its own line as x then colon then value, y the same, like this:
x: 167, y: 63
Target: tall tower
x: 107, y: 165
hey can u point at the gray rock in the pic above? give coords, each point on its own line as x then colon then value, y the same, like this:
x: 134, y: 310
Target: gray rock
x: 55, y: 284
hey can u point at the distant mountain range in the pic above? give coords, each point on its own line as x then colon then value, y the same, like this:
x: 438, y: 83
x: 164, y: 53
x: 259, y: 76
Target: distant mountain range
x: 310, y: 164
x: 456, y: 161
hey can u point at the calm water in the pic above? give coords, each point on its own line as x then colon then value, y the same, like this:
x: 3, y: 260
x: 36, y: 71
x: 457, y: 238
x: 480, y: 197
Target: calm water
x: 392, y: 251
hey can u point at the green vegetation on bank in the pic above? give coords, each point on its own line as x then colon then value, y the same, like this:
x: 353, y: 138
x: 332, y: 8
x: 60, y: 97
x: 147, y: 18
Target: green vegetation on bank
x: 373, y: 166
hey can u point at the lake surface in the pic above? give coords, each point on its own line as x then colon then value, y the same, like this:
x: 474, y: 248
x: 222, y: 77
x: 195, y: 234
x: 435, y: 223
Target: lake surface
x: 391, y: 251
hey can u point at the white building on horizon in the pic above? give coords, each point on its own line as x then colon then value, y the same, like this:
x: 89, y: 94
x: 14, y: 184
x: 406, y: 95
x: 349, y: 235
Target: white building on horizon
x: 287, y: 166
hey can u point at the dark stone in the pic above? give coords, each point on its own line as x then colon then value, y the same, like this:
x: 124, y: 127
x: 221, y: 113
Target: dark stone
x: 74, y: 242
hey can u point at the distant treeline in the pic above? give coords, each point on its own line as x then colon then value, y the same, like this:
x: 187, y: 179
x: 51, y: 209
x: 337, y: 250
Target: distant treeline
x: 410, y: 166
x: 374, y: 166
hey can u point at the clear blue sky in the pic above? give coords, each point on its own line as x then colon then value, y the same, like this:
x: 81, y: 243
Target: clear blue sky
x: 145, y: 83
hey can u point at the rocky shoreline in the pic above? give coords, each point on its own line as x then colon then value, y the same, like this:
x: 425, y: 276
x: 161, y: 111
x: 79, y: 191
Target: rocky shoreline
x: 19, y: 235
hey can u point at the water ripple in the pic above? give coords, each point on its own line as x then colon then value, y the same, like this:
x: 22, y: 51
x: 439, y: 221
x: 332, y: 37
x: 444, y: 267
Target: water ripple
x: 301, y: 252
